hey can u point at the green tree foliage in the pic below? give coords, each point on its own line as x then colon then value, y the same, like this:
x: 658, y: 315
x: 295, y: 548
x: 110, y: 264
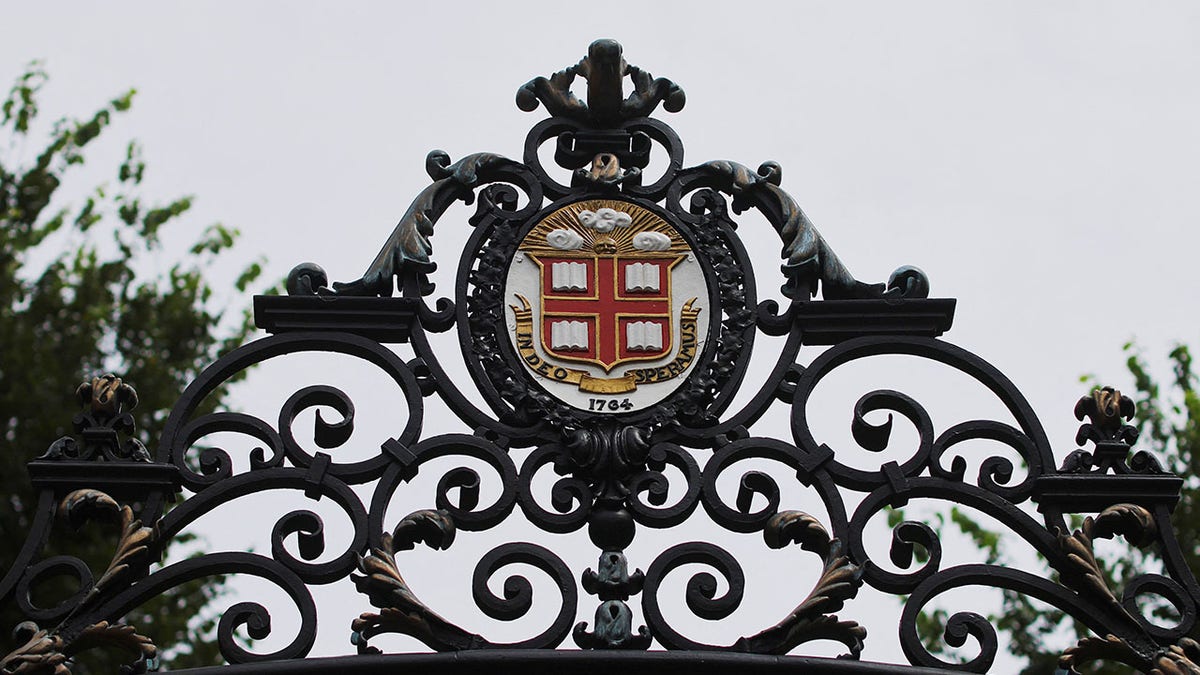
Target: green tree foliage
x: 87, y: 287
x: 1168, y: 422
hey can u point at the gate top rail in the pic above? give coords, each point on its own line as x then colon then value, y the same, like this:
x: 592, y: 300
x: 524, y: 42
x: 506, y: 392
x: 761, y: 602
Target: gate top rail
x: 606, y: 319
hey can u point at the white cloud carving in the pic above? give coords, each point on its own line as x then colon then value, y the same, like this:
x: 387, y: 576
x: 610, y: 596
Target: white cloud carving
x: 651, y: 241
x: 564, y: 239
x: 604, y: 219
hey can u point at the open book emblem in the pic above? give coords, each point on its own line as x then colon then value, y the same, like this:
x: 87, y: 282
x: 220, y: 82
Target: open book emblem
x: 600, y: 285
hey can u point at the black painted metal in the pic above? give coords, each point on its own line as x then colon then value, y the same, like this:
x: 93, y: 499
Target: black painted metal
x: 523, y: 662
x: 611, y: 462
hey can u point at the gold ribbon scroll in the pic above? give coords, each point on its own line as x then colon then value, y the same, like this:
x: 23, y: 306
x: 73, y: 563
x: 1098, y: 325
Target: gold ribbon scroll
x: 600, y: 385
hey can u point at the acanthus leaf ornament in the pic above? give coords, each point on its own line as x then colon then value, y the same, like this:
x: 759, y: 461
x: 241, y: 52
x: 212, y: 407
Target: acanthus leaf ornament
x: 48, y: 651
x: 133, y: 544
x: 809, y: 262
x: 1083, y: 573
x: 400, y: 610
x: 408, y: 245
x: 812, y: 619
x: 1178, y: 659
x: 1181, y: 658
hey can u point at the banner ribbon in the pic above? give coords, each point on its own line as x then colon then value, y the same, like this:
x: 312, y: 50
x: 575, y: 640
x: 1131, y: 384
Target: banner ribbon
x: 614, y: 385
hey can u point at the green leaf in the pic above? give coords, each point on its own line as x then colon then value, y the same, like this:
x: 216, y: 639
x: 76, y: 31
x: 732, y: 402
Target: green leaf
x: 215, y: 239
x: 249, y: 276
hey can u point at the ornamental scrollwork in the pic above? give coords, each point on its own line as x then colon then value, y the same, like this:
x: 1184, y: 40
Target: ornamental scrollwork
x: 607, y: 388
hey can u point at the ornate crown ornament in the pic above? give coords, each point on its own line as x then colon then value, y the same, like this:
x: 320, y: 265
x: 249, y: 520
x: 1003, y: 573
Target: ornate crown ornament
x: 606, y: 323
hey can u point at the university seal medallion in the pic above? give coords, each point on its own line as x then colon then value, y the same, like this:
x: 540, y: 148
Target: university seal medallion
x: 607, y: 305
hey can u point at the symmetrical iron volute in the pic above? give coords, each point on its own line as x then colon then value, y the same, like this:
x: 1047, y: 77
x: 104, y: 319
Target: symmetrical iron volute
x: 607, y: 323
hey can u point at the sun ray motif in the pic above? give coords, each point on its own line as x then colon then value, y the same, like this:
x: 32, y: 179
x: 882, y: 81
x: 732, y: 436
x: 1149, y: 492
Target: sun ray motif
x: 622, y: 237
x: 600, y: 273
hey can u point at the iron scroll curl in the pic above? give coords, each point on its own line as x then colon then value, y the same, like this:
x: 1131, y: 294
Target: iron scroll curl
x: 619, y: 465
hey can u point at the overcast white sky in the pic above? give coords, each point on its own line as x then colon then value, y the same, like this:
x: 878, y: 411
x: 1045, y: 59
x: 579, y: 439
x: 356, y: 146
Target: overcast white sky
x: 1037, y: 160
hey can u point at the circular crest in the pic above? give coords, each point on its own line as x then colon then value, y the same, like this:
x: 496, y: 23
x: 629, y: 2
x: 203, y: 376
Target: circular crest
x: 607, y: 306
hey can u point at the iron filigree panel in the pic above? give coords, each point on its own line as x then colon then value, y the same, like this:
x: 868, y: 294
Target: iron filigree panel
x: 607, y: 325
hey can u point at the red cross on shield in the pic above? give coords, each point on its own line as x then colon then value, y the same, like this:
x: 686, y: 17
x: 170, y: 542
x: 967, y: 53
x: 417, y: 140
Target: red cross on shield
x: 606, y: 310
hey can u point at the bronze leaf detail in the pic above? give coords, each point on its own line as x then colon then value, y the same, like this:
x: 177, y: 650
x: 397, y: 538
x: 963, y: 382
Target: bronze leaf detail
x: 1108, y: 648
x: 808, y: 258
x: 1084, y: 575
x: 385, y: 588
x: 1182, y: 658
x: 48, y: 653
x: 42, y: 653
x: 408, y: 244
x: 132, y: 545
x: 812, y: 619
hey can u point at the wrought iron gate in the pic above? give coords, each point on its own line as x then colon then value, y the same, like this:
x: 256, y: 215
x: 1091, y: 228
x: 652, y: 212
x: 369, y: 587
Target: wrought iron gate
x: 606, y: 322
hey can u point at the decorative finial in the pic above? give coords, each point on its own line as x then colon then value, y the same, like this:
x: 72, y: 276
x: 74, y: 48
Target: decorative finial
x: 605, y: 69
x: 613, y: 584
x: 107, y: 395
x: 1106, y: 410
x: 106, y: 402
